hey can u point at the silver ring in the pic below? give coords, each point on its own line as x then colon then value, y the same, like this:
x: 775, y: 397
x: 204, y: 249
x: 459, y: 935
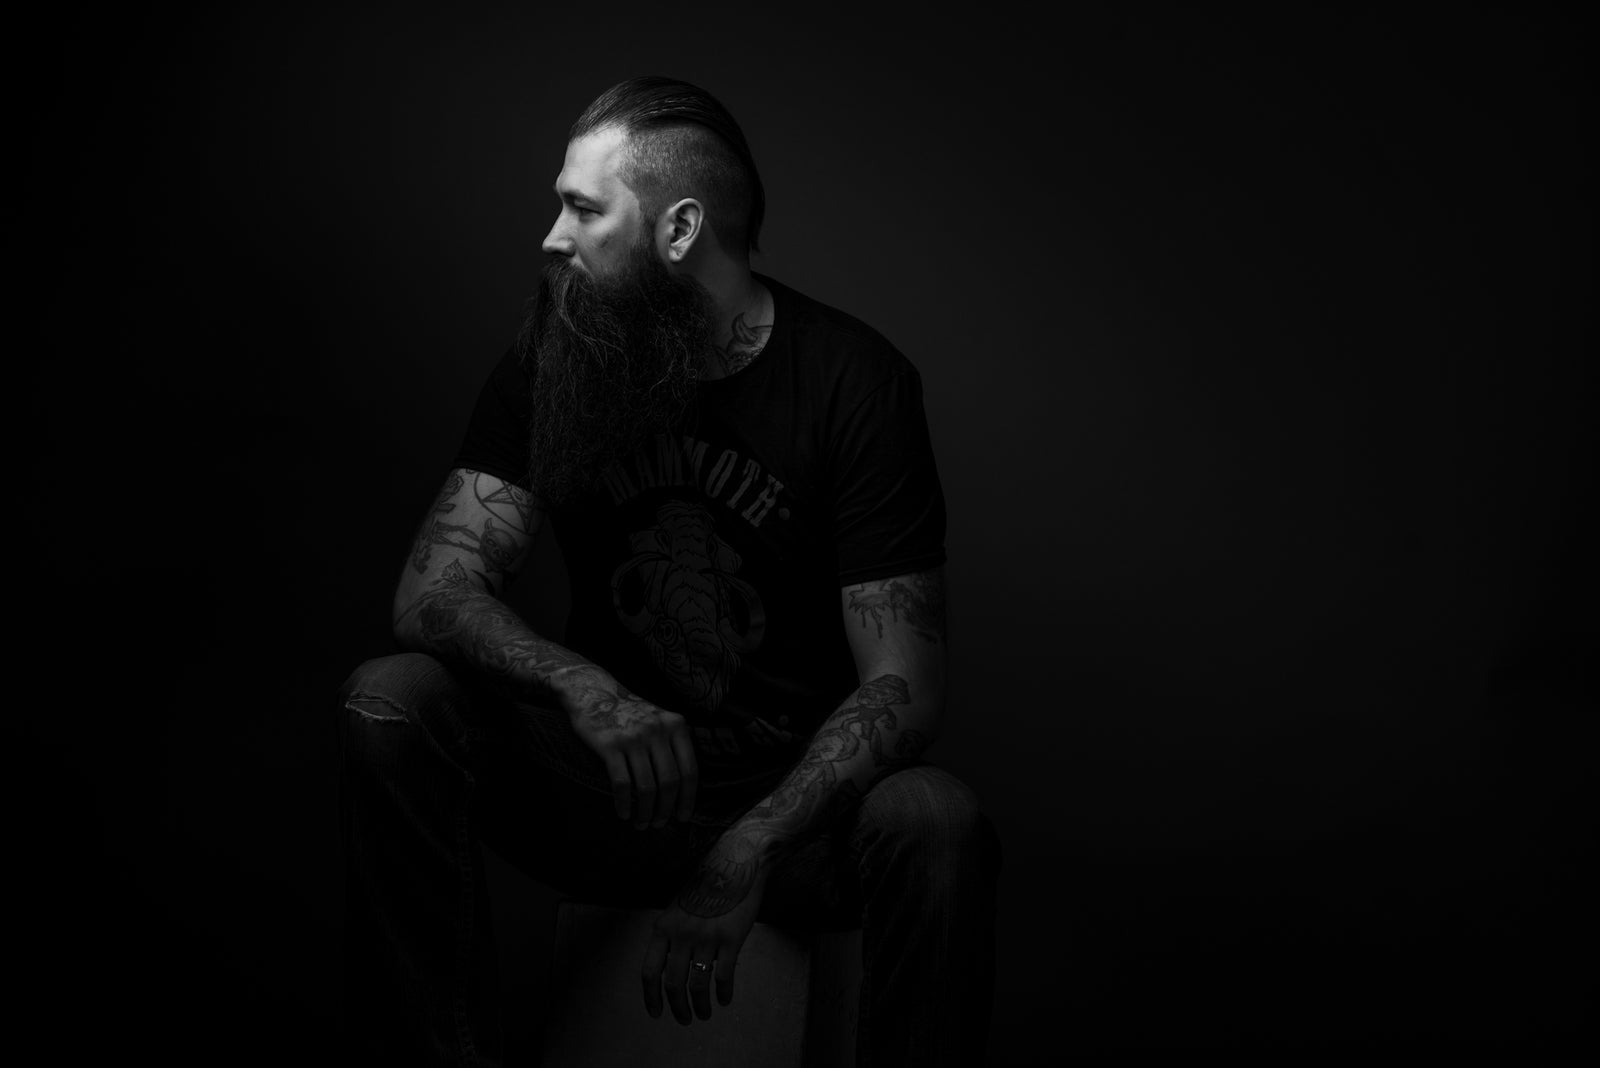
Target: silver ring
x: 700, y: 966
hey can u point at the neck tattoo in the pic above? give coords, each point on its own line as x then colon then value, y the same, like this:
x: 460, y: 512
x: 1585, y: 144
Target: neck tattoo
x: 745, y: 344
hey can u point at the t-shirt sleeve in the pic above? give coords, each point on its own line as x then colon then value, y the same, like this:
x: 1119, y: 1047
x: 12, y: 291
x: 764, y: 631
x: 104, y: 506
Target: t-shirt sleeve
x: 496, y: 441
x: 889, y: 516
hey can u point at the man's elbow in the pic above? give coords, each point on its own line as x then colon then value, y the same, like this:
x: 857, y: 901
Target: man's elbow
x: 922, y: 680
x: 928, y: 705
x: 424, y: 615
x: 405, y: 618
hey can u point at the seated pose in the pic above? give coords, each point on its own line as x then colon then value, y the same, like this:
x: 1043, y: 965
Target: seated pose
x: 736, y: 724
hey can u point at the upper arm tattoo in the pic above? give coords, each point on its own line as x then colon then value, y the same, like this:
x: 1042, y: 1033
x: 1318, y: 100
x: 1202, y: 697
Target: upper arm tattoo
x: 918, y: 599
x: 512, y: 505
x: 495, y: 544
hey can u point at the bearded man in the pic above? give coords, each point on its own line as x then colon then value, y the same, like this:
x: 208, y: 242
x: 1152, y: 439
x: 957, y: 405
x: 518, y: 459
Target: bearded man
x: 736, y: 723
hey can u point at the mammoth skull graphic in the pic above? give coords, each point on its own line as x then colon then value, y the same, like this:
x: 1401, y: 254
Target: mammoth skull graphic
x: 679, y: 594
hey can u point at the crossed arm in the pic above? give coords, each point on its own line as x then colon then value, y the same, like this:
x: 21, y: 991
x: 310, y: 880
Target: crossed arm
x: 896, y: 632
x: 471, y: 545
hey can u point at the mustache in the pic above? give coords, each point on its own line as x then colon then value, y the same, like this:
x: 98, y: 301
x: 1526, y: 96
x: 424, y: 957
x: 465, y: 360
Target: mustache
x: 569, y: 300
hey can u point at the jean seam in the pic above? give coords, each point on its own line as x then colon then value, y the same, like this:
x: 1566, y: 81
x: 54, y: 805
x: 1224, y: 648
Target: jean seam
x: 863, y: 1014
x: 859, y: 847
x: 464, y: 944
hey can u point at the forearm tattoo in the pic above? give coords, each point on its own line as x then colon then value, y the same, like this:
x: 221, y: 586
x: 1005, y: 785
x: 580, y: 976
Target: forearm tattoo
x: 464, y: 620
x: 856, y: 746
x: 824, y: 783
x: 468, y: 625
x: 607, y: 705
x: 917, y: 599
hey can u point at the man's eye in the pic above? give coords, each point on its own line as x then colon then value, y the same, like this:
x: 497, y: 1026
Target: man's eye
x: 587, y: 211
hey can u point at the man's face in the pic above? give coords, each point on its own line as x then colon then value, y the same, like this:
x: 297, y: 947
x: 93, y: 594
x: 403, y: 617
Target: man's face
x: 600, y: 220
x: 618, y: 340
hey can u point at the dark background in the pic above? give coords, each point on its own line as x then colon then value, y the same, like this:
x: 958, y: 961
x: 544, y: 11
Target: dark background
x: 1255, y: 357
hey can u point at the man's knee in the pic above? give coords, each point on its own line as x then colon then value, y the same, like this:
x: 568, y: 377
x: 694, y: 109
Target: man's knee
x: 383, y: 689
x: 928, y: 812
x: 393, y: 704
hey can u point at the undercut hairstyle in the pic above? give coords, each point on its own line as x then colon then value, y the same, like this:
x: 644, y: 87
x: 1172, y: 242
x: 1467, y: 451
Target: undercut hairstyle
x: 681, y: 142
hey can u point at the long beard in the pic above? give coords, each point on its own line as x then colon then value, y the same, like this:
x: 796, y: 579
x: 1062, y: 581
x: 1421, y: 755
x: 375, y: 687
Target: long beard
x: 617, y: 361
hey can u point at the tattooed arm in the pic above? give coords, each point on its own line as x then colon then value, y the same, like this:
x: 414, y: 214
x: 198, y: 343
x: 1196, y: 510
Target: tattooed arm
x: 896, y: 632
x: 471, y: 545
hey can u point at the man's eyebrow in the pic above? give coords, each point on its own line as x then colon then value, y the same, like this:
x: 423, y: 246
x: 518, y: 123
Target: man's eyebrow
x: 575, y: 194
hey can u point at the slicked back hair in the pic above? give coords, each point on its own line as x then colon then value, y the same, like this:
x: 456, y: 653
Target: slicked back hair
x: 681, y: 142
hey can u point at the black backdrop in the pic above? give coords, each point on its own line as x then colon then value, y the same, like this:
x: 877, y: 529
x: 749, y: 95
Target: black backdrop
x: 1255, y: 361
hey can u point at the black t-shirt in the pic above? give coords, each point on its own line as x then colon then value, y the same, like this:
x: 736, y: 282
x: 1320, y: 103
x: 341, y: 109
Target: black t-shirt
x: 705, y: 569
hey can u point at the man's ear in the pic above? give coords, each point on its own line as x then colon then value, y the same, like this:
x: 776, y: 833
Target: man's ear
x: 681, y: 226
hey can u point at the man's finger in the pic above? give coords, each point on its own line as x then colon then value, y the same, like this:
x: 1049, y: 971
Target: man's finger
x: 644, y: 786
x: 676, y: 977
x: 726, y: 959
x: 688, y: 771
x: 655, y: 959
x: 667, y: 781
x: 700, y: 984
x: 621, y: 783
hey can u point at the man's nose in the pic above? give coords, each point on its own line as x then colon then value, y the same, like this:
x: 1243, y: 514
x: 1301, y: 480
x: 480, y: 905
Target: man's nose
x: 557, y: 243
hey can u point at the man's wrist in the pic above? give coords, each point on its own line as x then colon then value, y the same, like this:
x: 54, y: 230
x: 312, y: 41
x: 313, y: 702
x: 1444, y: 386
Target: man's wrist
x: 584, y: 687
x: 765, y: 840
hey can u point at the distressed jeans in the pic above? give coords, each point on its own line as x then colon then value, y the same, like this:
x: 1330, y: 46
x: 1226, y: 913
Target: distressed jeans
x: 432, y: 768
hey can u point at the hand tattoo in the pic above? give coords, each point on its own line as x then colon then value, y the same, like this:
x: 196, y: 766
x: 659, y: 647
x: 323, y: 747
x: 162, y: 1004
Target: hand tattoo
x: 724, y: 879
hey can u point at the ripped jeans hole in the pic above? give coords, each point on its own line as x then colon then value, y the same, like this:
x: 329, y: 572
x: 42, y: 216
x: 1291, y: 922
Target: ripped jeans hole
x: 375, y: 706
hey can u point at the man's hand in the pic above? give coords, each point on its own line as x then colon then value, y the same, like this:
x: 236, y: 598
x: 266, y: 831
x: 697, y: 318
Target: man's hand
x: 705, y: 926
x: 648, y: 754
